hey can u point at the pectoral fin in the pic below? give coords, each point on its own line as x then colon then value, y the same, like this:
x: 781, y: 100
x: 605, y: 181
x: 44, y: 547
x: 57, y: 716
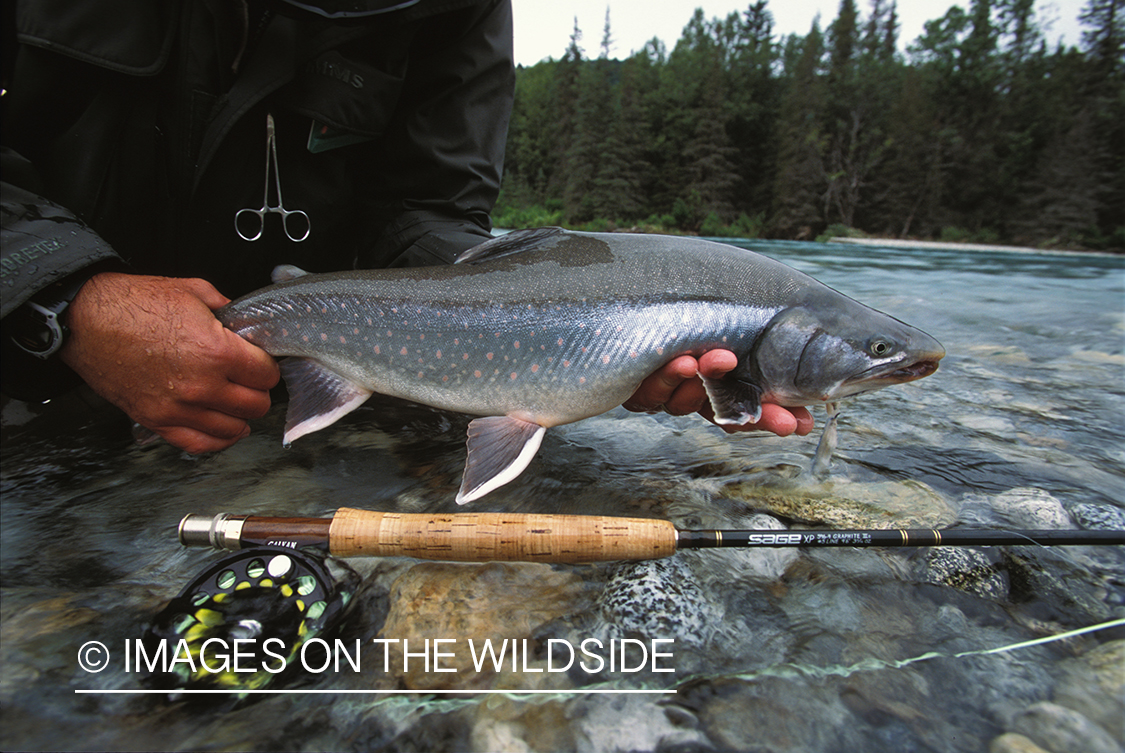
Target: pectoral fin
x: 500, y: 447
x: 318, y: 396
x: 735, y: 401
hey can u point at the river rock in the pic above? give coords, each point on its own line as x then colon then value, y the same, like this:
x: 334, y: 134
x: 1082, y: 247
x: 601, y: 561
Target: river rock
x: 1096, y: 517
x: 497, y: 601
x: 1094, y: 685
x: 1027, y: 507
x: 971, y: 570
x: 633, y: 723
x: 744, y: 563
x: 1058, y: 729
x: 841, y: 503
x: 1010, y: 742
x: 659, y: 599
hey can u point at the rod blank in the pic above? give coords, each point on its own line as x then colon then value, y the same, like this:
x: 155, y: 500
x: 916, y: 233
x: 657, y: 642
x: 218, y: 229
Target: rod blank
x: 519, y: 537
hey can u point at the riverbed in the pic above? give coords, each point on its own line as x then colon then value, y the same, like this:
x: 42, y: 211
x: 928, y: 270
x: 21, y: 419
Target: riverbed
x: 1023, y: 426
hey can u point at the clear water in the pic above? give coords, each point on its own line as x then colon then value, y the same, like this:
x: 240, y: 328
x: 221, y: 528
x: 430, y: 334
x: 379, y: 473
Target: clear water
x: 774, y: 650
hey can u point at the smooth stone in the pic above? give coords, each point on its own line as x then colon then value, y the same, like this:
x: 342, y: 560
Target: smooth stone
x: 1058, y: 729
x: 849, y: 504
x: 1010, y: 742
x: 1027, y: 507
x: 498, y: 601
x: 1094, y: 685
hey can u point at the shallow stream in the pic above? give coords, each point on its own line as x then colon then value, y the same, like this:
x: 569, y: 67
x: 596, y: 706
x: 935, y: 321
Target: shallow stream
x: 1023, y: 426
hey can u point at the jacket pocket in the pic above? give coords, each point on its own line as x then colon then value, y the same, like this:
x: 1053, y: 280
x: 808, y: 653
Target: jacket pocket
x: 346, y: 95
x: 127, y: 36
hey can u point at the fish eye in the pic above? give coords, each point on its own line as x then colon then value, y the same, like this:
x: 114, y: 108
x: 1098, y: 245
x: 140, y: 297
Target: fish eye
x: 879, y: 347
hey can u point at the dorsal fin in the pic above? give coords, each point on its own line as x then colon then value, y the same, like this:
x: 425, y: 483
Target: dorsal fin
x: 514, y: 242
x: 285, y: 273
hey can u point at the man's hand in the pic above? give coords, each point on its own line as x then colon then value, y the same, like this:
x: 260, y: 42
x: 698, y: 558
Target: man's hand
x: 153, y: 347
x: 677, y: 389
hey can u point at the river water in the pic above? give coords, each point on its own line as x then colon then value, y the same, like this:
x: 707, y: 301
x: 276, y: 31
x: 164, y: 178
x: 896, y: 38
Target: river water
x: 1023, y: 426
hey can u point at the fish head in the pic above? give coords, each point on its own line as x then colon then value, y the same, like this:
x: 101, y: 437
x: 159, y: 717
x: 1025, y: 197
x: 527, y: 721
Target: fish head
x: 821, y: 353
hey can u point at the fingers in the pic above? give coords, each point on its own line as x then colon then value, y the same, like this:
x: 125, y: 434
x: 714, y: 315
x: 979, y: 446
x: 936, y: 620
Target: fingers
x: 197, y: 442
x: 781, y: 421
x: 677, y: 389
x: 153, y: 347
x: 250, y: 366
x: 714, y: 364
x: 657, y: 389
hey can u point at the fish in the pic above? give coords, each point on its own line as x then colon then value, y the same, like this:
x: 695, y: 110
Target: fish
x: 545, y: 327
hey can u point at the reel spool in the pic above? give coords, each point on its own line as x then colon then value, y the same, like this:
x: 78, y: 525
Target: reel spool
x: 242, y: 623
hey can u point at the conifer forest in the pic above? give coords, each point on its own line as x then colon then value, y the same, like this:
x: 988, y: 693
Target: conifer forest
x: 975, y: 131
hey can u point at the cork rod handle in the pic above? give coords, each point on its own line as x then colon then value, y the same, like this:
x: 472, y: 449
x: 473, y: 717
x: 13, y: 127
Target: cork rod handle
x: 487, y: 537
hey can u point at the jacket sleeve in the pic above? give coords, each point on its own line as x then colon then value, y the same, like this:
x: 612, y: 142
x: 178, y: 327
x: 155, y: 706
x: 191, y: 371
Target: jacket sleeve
x: 443, y: 152
x: 41, y: 244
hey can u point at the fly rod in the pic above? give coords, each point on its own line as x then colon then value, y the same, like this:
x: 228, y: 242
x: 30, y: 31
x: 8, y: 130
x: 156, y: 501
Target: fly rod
x: 517, y: 537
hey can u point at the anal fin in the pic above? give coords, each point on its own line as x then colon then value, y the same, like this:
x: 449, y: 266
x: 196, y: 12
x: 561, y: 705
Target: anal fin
x: 500, y: 448
x: 735, y: 401
x: 318, y: 396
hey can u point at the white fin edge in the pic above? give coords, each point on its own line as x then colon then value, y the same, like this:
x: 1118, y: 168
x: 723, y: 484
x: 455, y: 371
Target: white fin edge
x: 514, y: 469
x: 318, y: 422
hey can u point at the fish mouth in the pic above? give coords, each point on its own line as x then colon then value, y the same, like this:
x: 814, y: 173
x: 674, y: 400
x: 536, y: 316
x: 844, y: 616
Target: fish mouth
x: 899, y: 373
x: 916, y: 370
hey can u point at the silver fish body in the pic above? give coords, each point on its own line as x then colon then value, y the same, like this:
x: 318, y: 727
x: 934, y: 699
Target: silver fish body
x: 546, y: 327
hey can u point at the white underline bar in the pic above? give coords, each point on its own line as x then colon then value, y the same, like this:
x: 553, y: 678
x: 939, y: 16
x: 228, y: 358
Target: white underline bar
x: 382, y: 692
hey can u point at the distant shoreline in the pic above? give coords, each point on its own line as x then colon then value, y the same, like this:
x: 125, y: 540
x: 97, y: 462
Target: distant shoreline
x: 946, y: 246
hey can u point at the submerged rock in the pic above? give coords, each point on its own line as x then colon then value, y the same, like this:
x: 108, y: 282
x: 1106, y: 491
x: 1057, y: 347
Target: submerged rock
x: 659, y: 599
x: 848, y: 504
x: 1029, y: 507
x: 1096, y: 517
x: 972, y: 570
x: 1058, y: 729
x: 497, y: 601
x: 1094, y: 685
x: 1010, y: 742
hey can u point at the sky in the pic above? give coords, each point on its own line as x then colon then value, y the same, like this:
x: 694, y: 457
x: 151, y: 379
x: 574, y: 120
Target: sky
x: 543, y: 27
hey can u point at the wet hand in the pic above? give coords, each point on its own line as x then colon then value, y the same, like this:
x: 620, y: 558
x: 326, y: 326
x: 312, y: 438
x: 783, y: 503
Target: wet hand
x: 153, y: 347
x: 677, y: 389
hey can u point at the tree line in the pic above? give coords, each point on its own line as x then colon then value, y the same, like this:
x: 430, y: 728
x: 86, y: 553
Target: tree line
x: 979, y: 131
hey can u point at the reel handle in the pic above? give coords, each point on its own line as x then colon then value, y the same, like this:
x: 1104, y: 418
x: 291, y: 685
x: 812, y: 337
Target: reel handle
x: 494, y: 537
x: 457, y: 537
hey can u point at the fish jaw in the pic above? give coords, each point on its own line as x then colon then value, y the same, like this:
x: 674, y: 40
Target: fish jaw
x: 916, y: 365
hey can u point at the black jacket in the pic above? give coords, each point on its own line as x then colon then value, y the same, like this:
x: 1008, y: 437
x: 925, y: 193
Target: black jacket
x: 134, y: 130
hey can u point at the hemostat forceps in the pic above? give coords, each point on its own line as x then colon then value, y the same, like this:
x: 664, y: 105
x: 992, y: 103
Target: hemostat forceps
x: 241, y: 217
